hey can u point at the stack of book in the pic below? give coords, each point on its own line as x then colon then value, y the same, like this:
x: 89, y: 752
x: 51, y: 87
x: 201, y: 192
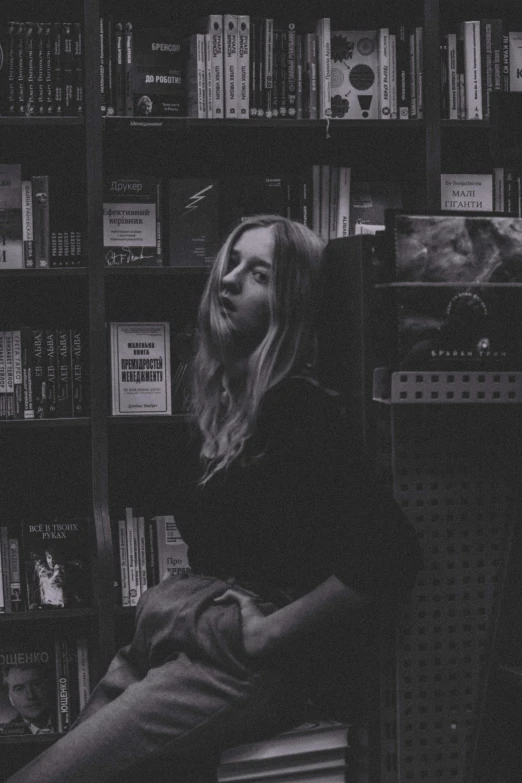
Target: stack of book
x: 38, y: 231
x: 149, y: 548
x: 54, y: 668
x: 41, y: 70
x: 318, y: 752
x: 238, y: 67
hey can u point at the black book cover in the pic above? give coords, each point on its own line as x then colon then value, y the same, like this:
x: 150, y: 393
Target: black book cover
x: 158, y: 73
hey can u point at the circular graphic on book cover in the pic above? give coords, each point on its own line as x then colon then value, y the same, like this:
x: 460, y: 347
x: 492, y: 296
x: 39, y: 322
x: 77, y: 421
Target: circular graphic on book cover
x: 337, y: 78
x: 362, y: 77
x: 366, y: 46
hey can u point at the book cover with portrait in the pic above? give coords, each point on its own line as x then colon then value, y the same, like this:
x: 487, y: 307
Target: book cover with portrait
x: 57, y: 563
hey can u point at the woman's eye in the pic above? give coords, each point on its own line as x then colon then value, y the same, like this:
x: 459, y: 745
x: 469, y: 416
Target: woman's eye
x: 260, y: 275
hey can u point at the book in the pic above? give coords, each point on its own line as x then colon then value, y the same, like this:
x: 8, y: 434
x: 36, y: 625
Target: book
x: 132, y: 221
x: 11, y: 224
x: 469, y: 32
x: 457, y: 248
x: 344, y: 198
x: 230, y: 65
x: 18, y: 394
x: 41, y: 228
x: 64, y: 683
x: 196, y: 77
x: 383, y: 79
x: 38, y: 373
x: 368, y: 203
x: 128, y: 69
x: 5, y: 575
x: 515, y: 61
x: 50, y: 374
x: 57, y: 563
x: 79, y: 389
x: 310, y: 103
x: 158, y: 73
x: 213, y: 26
x: 403, y: 97
x: 27, y: 225
x: 355, y: 75
x: 9, y: 375
x: 453, y: 107
x: 28, y: 664
x: 123, y: 562
x: 140, y: 368
x: 208, y: 75
x: 194, y: 228
x: 324, y: 70
x: 64, y: 395
x: 84, y: 680
x: 394, y: 112
x: 419, y: 71
x: 243, y: 66
x: 131, y: 531
x: 491, y: 48
x: 3, y: 376
x: 172, y: 550
x: 15, y: 573
x: 466, y: 192
x: 267, y: 66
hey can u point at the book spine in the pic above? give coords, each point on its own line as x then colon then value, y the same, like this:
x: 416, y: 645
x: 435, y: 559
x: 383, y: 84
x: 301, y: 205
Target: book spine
x: 496, y: 53
x: 6, y: 575
x: 132, y: 552
x: 39, y: 70
x: 334, y: 202
x: 283, y: 75
x: 403, y: 84
x: 343, y: 218
x: 142, y: 550
x: 215, y: 28
x: 3, y: 594
x: 29, y: 68
x: 324, y: 67
x: 276, y: 74
x: 504, y: 60
x: 243, y: 66
x: 208, y: 74
x: 268, y: 65
x: 252, y: 102
x: 51, y: 408
x: 127, y: 54
x: 57, y: 69
x: 78, y: 91
x: 260, y: 82
x: 15, y: 572
x: 41, y: 232
x: 202, y: 76
x: 63, y: 684
x: 412, y: 74
x: 68, y: 69
x: 515, y: 61
x: 299, y: 76
x: 393, y: 76
x: 384, y: 73
x: 151, y: 535
x: 291, y: 60
x: 27, y: 363
x: 39, y: 372
x: 3, y: 379
x: 18, y: 389
x: 486, y: 64
x: 196, y: 98
x: 19, y: 69
x: 9, y: 375
x: 63, y: 374
x: 419, y: 70
x: 84, y: 682
x: 109, y: 43
x: 78, y: 390
x: 10, y: 85
x: 453, y: 108
x: 124, y: 564
x: 472, y: 73
x: 103, y: 69
x: 310, y: 103
x: 230, y: 58
x: 27, y: 223
x: 118, y: 69
x: 324, y: 229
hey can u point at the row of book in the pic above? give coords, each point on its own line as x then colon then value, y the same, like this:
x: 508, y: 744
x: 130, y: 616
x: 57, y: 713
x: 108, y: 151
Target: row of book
x: 43, y: 373
x: 239, y: 67
x: 149, y: 549
x: 202, y: 210
x: 54, y: 670
x: 44, y: 564
x: 499, y: 191
x: 482, y: 56
x: 34, y: 232
x: 319, y: 751
x: 41, y: 70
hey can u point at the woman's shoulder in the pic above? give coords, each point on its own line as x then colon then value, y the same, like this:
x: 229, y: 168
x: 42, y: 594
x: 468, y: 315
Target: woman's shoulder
x: 300, y: 400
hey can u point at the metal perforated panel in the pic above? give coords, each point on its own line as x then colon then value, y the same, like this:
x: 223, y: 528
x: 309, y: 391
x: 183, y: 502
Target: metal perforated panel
x: 453, y: 470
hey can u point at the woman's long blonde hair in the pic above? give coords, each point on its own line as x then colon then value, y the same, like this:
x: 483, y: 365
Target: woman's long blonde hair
x: 227, y: 420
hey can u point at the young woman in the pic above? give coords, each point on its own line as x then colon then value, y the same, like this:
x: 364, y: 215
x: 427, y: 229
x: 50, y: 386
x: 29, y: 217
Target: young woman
x: 289, y: 536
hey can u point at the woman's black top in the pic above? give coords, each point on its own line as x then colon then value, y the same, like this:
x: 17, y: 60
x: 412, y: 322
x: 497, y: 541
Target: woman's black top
x: 306, y: 505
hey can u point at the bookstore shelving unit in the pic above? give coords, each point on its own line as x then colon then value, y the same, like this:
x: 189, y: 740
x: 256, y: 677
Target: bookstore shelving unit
x: 452, y: 465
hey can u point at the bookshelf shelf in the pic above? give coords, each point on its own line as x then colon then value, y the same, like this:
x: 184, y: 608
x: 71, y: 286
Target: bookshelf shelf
x: 46, y: 615
x: 188, y: 123
x: 42, y: 122
x: 31, y: 424
x: 445, y: 284
x: 175, y: 420
x: 44, y: 273
x: 34, y: 739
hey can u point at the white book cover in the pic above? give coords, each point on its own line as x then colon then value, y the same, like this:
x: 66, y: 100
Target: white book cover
x: 124, y: 564
x: 324, y: 61
x: 230, y: 59
x: 393, y: 77
x: 515, y: 61
x: 384, y: 73
x: 355, y: 75
x: 140, y: 368
x: 451, y: 39
x: 470, y: 31
x: 466, y: 192
x: 132, y: 551
x: 208, y: 74
x: 343, y: 207
x: 419, y: 67
x: 243, y: 66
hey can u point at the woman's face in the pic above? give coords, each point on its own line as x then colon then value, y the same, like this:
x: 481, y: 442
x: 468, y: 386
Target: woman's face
x: 244, y: 295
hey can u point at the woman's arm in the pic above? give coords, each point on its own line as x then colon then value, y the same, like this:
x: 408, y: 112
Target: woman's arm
x: 327, y: 602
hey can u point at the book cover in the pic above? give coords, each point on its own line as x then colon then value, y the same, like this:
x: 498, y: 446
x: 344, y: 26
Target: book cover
x: 457, y: 249
x: 515, y: 61
x: 194, y: 234
x: 230, y: 65
x: 369, y: 202
x: 158, y: 73
x: 450, y: 327
x: 355, y: 75
x: 172, y: 550
x: 57, y: 563
x: 41, y: 229
x: 11, y: 225
x: 132, y: 222
x: 466, y: 192
x: 28, y: 695
x: 140, y: 368
x: 213, y: 26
